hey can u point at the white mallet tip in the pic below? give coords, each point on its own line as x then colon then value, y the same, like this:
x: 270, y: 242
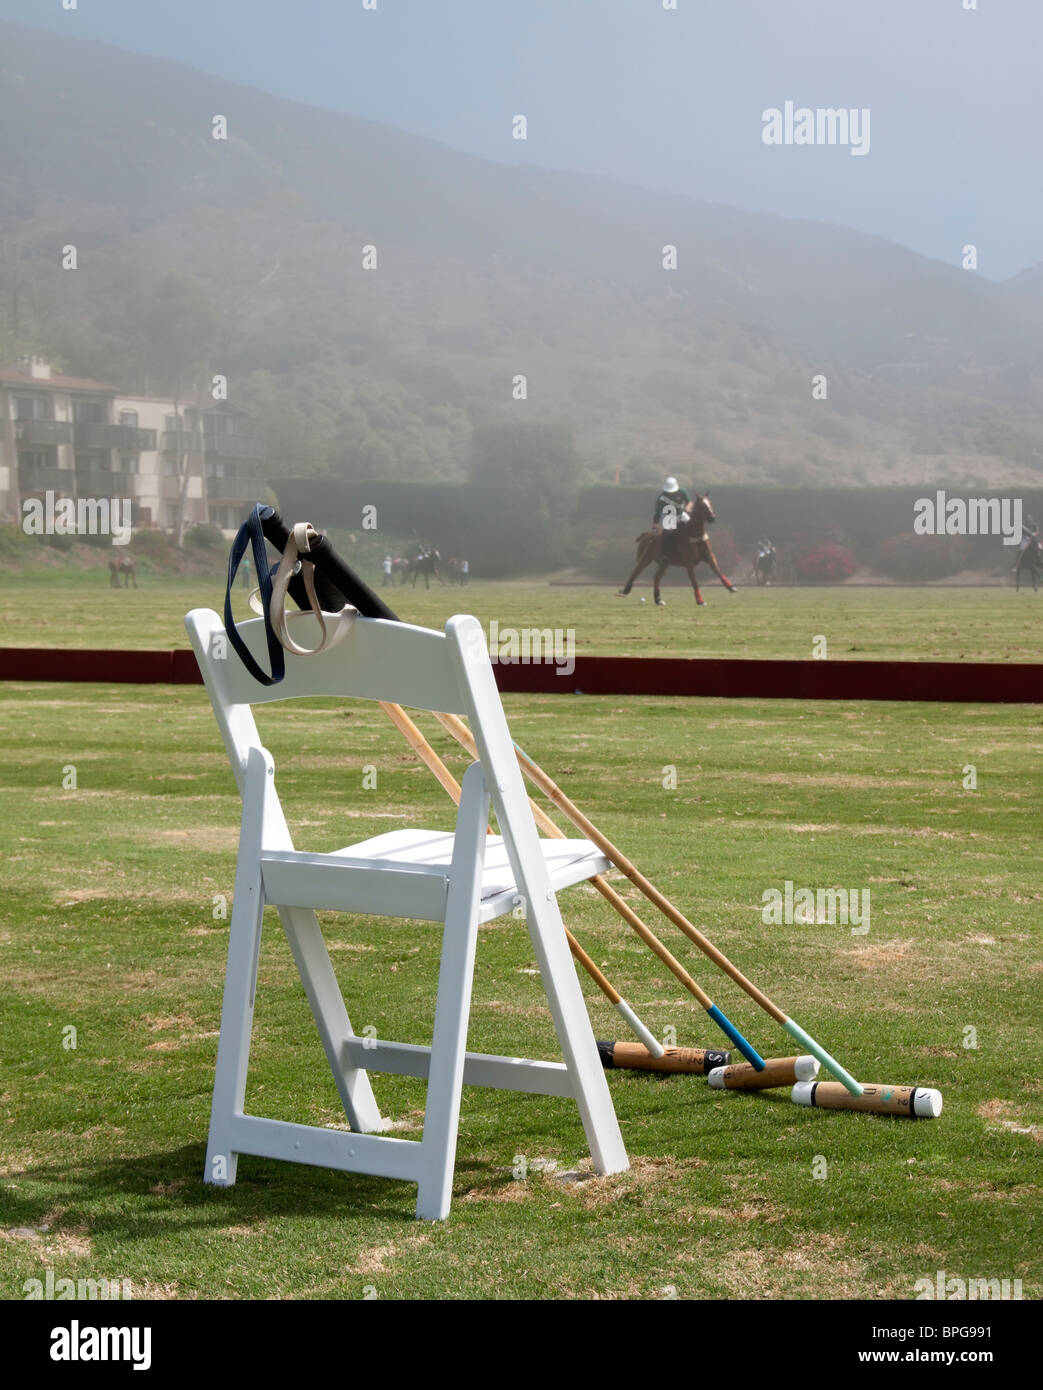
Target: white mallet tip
x: 927, y: 1103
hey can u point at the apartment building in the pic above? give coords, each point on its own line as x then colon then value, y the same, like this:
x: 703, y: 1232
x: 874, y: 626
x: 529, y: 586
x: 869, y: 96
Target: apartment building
x: 81, y: 438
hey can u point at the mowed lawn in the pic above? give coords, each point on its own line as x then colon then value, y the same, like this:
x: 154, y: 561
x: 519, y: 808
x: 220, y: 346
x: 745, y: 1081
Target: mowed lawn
x: 111, y: 925
x: 56, y: 608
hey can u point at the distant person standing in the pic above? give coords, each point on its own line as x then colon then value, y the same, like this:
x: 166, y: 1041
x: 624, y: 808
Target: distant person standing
x: 465, y: 569
x: 244, y: 570
x: 387, y: 579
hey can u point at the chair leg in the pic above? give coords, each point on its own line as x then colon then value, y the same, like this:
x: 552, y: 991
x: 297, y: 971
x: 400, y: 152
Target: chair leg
x: 237, y: 1011
x: 331, y: 1017
x: 453, y: 1007
x: 578, y: 1048
x: 244, y: 949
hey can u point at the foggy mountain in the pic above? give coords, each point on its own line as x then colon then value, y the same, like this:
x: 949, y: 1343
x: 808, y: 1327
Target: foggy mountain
x: 485, y: 272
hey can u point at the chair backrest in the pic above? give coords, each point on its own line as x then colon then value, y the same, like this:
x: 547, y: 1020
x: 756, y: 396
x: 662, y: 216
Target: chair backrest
x: 449, y: 673
x: 377, y: 660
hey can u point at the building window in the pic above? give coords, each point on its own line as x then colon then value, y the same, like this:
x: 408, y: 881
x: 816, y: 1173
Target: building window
x: 129, y: 417
x: 93, y: 463
x: 35, y: 459
x: 90, y: 412
x: 130, y: 463
x: 34, y: 407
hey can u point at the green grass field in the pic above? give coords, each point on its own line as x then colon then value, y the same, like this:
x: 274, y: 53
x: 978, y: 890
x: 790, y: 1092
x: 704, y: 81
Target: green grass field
x: 108, y: 927
x: 916, y: 624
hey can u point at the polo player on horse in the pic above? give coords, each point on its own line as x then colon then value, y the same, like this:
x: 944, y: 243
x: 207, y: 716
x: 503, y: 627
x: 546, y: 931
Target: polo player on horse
x: 678, y: 537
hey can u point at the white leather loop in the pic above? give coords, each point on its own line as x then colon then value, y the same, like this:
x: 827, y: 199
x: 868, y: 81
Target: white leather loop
x: 334, y: 626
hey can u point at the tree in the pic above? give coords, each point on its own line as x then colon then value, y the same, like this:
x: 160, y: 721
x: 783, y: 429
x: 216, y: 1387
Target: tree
x: 179, y: 328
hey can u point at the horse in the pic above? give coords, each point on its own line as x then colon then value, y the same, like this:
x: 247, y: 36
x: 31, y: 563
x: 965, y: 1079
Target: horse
x: 1031, y: 558
x: 688, y: 546
x: 765, y: 563
x: 424, y: 562
x: 124, y: 565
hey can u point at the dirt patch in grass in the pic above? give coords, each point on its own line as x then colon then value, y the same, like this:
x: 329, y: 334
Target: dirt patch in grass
x: 989, y: 1193
x: 917, y: 831
x: 643, y: 1174
x: 377, y: 1259
x: 876, y: 957
x: 162, y: 1023
x: 69, y: 897
x: 824, y: 779
x: 508, y: 1190
x: 156, y: 1293
x: 821, y: 1269
x: 50, y: 1240
x: 754, y: 1208
x: 1004, y: 1114
x: 209, y: 837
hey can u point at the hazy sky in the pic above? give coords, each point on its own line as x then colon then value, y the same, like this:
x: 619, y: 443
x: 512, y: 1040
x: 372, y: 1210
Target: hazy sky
x: 670, y: 99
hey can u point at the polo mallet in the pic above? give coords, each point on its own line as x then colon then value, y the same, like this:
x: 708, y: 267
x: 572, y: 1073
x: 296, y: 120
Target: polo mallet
x: 341, y: 582
x: 778, y: 1071
x: 614, y: 1055
x: 915, y: 1102
x: 554, y: 793
x: 631, y: 1057
x: 462, y: 734
x: 695, y: 1060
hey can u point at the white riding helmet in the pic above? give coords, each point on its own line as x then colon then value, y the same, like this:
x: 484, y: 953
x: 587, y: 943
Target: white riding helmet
x: 671, y: 485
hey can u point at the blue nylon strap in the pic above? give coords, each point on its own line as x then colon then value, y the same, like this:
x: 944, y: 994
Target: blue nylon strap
x: 250, y: 534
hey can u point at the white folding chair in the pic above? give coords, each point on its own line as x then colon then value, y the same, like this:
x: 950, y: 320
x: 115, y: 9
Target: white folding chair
x: 462, y: 880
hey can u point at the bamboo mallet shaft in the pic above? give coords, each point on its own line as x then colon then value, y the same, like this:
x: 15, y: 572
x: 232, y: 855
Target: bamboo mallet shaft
x: 551, y: 789
x: 465, y: 738
x: 416, y: 740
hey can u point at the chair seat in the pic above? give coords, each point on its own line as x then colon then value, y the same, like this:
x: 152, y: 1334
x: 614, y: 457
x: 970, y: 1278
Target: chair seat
x: 426, y: 857
x: 568, y: 861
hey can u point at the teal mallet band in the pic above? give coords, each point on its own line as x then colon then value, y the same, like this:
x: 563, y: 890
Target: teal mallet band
x: 845, y: 1077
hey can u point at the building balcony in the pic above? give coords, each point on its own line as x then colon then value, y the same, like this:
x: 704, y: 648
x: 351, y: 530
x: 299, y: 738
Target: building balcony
x: 234, y: 446
x: 37, y: 478
x: 190, y: 441
x: 101, y: 483
x: 43, y: 432
x: 223, y: 446
x: 127, y: 438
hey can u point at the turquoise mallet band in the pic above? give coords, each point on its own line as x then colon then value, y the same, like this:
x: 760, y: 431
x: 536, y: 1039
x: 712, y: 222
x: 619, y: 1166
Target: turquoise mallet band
x: 729, y: 1029
x: 796, y: 1031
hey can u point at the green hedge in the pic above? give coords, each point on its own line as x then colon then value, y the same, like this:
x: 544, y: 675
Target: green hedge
x: 608, y: 517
